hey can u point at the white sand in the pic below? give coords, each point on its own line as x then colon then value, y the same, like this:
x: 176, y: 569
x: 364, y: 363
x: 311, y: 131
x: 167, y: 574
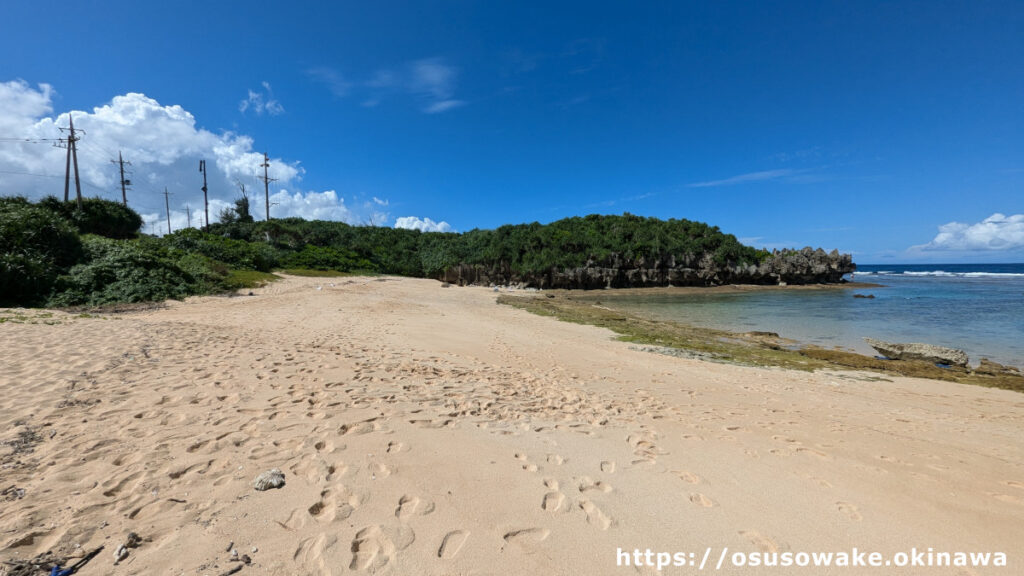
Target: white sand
x: 427, y: 430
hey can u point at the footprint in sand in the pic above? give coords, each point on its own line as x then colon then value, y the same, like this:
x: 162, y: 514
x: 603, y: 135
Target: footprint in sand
x: 311, y: 551
x: 701, y: 500
x: 555, y: 459
x: 849, y: 509
x: 553, y: 501
x: 608, y: 467
x: 1014, y: 484
x: 452, y: 543
x: 586, y: 484
x: 551, y: 484
x: 595, y: 516
x: 688, y: 477
x: 527, y: 535
x: 763, y: 543
x: 371, y: 550
x: 411, y: 505
x: 378, y: 470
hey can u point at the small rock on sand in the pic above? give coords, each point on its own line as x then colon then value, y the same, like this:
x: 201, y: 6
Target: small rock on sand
x: 269, y: 479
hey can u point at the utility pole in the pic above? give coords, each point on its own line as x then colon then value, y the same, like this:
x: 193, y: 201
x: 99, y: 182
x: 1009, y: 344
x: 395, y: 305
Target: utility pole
x: 167, y: 204
x: 266, y: 183
x: 206, y: 201
x: 72, y: 157
x: 124, y: 183
x: 188, y: 214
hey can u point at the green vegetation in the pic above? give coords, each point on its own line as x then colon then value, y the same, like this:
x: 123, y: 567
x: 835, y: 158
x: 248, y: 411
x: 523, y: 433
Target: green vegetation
x: 62, y: 254
x: 36, y: 246
x: 522, y: 248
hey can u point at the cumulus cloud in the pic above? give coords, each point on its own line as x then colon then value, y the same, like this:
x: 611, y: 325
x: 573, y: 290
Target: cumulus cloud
x: 163, y: 144
x: 423, y: 225
x: 260, y: 102
x: 995, y: 233
x: 326, y: 205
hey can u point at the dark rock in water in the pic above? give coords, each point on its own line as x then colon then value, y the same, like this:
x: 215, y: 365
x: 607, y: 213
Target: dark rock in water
x: 996, y: 369
x: 917, y: 351
x: 806, y: 266
x: 869, y: 296
x: 762, y: 334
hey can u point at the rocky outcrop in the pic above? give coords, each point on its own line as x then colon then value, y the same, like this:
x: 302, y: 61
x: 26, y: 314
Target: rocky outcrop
x: 918, y: 351
x: 806, y: 266
x: 996, y: 369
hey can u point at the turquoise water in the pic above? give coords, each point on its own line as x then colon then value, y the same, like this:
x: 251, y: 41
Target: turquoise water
x: 978, y: 308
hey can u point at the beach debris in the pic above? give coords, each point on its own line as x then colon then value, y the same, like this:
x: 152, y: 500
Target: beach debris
x: 25, y: 442
x: 132, y: 541
x: 120, y: 554
x: 919, y: 351
x: 255, y: 550
x: 12, y: 492
x: 231, y: 546
x: 33, y: 566
x: 273, y: 478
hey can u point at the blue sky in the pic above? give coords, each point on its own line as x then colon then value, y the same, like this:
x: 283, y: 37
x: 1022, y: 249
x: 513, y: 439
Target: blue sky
x: 890, y: 130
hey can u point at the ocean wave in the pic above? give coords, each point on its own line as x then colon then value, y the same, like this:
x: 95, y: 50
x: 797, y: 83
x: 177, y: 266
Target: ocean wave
x: 928, y: 273
x: 995, y: 274
x: 946, y: 274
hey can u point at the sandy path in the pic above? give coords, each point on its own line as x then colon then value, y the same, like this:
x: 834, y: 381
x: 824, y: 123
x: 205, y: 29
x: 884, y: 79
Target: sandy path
x: 427, y: 430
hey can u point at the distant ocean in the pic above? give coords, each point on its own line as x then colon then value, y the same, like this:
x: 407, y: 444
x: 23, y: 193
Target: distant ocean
x: 978, y: 308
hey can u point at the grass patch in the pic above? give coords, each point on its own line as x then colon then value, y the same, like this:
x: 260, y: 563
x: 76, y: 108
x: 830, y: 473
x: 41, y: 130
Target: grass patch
x: 325, y: 273
x: 238, y: 279
x: 748, y: 349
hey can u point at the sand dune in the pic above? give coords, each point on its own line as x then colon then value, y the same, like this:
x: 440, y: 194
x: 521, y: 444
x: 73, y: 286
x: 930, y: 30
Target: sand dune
x: 425, y: 430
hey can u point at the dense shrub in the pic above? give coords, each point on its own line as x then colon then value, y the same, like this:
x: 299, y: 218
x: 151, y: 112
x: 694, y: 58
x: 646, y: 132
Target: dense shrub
x: 126, y: 271
x: 326, y: 258
x: 97, y: 216
x: 235, y: 253
x: 36, y: 245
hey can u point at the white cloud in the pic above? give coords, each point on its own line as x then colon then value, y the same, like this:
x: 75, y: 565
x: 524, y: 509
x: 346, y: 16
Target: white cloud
x: 379, y: 201
x: 442, y: 106
x: 423, y: 225
x: 750, y: 177
x: 261, y: 102
x: 326, y: 205
x: 331, y: 78
x: 431, y: 81
x: 164, y: 146
x: 995, y: 233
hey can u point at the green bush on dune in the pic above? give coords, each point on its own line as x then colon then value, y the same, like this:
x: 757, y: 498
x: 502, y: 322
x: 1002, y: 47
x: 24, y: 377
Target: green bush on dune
x: 36, y: 245
x: 97, y: 216
x: 127, y: 271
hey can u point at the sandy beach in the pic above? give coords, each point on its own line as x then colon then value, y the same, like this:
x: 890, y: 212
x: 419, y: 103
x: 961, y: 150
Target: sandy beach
x: 428, y: 430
